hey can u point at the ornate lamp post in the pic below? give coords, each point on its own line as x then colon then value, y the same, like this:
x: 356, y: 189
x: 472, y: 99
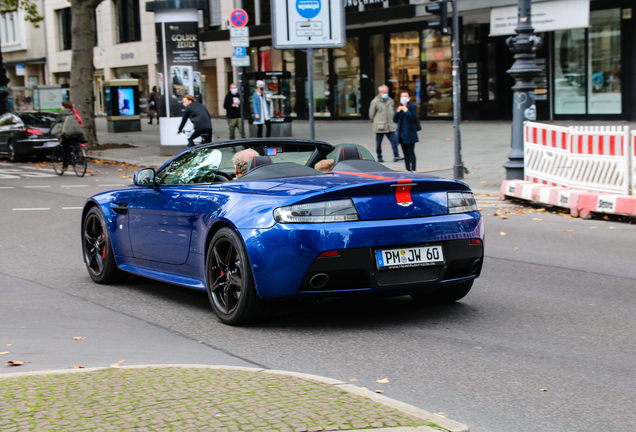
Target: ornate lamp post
x: 524, y: 70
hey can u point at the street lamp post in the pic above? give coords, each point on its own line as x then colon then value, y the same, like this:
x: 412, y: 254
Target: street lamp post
x: 524, y: 46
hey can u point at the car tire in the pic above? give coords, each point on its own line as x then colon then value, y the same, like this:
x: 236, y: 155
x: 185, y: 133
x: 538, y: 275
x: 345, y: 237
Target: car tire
x: 230, y: 283
x: 446, y: 294
x: 11, y: 154
x: 98, y: 251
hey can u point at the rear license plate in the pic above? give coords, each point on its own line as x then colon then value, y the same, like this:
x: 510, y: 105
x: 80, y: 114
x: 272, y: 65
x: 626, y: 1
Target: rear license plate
x: 410, y: 257
x: 51, y: 144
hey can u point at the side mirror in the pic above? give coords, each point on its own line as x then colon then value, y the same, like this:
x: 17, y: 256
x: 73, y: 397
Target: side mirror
x: 144, y: 177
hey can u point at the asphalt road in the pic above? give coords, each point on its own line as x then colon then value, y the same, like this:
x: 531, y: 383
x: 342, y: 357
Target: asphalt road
x: 544, y: 342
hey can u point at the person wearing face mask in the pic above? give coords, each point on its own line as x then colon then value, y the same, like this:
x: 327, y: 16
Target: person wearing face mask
x: 232, y: 105
x: 381, y: 114
x: 262, y: 105
x: 407, y: 122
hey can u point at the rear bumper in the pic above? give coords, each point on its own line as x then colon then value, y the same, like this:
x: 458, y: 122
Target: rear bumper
x: 35, y: 146
x: 285, y: 257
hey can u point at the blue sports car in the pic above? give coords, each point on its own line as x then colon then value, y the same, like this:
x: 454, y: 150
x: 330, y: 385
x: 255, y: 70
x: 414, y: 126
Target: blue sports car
x: 285, y: 230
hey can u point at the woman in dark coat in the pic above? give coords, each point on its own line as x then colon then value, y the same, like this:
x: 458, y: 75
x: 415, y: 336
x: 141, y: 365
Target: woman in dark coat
x: 406, y: 119
x: 153, y: 105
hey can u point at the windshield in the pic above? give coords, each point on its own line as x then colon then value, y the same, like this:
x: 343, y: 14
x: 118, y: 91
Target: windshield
x: 37, y: 119
x: 296, y: 154
x: 197, y: 166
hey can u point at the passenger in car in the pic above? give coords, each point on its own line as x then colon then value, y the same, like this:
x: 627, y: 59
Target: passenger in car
x: 324, y: 165
x: 241, y: 160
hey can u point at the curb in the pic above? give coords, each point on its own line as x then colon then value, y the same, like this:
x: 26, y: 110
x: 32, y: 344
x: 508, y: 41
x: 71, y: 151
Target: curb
x: 580, y: 203
x: 444, y: 423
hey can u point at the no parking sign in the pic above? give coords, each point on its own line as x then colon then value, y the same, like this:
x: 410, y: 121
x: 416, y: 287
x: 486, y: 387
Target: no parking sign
x: 239, y: 18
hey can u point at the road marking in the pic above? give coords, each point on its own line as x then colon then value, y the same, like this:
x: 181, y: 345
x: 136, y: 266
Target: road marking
x: 33, y: 187
x: 111, y: 185
x: 7, y: 187
x: 70, y: 186
x: 28, y: 209
x: 72, y: 208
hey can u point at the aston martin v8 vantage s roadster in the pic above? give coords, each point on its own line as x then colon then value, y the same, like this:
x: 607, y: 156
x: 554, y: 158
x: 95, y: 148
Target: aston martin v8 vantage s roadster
x: 285, y: 230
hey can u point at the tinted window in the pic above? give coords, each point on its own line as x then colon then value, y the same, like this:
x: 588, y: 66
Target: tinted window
x: 37, y: 119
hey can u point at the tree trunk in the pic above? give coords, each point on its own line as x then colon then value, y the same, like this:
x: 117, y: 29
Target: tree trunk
x: 82, y: 68
x: 4, y: 82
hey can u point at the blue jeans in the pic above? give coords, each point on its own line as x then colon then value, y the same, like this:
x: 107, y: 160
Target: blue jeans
x: 392, y: 136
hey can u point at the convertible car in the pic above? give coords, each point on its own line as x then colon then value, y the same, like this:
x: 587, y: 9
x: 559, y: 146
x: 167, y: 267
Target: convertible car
x: 285, y: 230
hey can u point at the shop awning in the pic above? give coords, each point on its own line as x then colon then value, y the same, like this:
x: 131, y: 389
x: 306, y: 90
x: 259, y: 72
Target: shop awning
x: 546, y: 16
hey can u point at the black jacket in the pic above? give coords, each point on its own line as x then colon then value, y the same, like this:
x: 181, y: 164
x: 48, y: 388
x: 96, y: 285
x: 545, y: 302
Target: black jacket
x: 198, y: 115
x: 232, y: 112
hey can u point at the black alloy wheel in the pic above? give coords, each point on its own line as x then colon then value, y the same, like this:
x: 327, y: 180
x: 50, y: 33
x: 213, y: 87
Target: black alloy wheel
x: 446, y: 294
x: 11, y: 154
x: 80, y: 164
x: 57, y: 159
x: 98, y: 252
x: 230, y: 283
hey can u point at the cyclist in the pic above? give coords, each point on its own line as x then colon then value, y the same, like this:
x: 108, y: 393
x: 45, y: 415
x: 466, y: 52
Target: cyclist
x: 200, y: 118
x: 68, y: 130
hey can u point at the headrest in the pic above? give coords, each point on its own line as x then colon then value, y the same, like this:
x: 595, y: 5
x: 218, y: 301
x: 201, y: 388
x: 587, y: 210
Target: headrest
x: 347, y: 153
x: 257, y: 161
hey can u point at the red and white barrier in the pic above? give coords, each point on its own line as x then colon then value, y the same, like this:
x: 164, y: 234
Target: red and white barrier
x: 632, y: 167
x: 581, y: 203
x: 546, y: 154
x: 599, y: 158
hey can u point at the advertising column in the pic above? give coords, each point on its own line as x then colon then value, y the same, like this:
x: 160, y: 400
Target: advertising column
x: 178, y: 67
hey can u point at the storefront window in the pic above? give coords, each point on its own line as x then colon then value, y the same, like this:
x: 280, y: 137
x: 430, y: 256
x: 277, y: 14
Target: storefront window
x: 569, y: 72
x: 604, y: 67
x: 379, y: 68
x: 347, y: 71
x: 404, y: 71
x: 289, y: 64
x: 437, y: 70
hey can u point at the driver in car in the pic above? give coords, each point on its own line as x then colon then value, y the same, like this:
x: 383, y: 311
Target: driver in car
x: 241, y: 160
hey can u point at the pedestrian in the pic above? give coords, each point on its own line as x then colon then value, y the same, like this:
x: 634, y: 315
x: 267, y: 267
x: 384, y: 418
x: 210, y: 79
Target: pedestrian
x: 232, y: 107
x: 68, y: 130
x: 262, y: 105
x: 407, y: 123
x: 153, y: 105
x: 200, y: 118
x: 381, y: 114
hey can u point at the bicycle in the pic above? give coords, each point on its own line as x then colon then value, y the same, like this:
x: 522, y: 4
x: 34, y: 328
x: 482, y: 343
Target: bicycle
x: 76, y: 157
x: 200, y: 139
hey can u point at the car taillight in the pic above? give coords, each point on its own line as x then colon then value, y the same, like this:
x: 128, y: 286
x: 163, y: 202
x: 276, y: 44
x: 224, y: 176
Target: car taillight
x: 341, y: 210
x: 461, y: 202
x: 32, y: 131
x: 82, y: 145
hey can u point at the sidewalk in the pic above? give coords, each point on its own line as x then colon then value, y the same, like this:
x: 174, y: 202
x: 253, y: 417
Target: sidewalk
x: 201, y: 398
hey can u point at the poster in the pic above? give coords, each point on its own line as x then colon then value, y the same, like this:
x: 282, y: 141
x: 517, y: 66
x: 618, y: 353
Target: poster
x: 180, y: 71
x: 126, y: 101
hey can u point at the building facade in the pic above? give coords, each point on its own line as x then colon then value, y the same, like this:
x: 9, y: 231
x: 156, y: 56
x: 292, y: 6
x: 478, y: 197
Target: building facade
x: 587, y: 59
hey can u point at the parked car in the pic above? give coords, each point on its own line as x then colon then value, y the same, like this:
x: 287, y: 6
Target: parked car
x: 285, y: 230
x: 26, y: 133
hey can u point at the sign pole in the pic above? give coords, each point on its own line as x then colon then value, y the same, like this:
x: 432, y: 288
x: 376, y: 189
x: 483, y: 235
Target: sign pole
x: 310, y: 81
x: 457, y: 111
x: 241, y: 99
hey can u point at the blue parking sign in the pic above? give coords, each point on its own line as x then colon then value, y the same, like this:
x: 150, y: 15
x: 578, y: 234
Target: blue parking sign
x: 240, y: 51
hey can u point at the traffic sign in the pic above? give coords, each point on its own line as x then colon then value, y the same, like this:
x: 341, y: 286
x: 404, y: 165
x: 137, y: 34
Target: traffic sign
x: 240, y: 42
x: 239, y: 32
x: 240, y: 52
x: 308, y: 24
x: 241, y: 61
x: 239, y: 18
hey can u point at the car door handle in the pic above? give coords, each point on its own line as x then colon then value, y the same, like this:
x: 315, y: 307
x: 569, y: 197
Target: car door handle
x: 119, y: 207
x: 184, y: 203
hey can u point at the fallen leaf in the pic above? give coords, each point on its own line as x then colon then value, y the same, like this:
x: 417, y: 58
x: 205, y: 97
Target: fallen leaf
x: 612, y: 227
x: 78, y: 338
x: 9, y: 344
x: 115, y: 365
x: 484, y: 181
x: 593, y: 227
x: 353, y: 379
x: 543, y: 389
x: 504, y: 217
x: 364, y: 388
x: 4, y: 352
x: 502, y: 233
x: 121, y: 361
x: 569, y: 231
x: 14, y: 363
x: 379, y: 391
x: 78, y: 367
x: 480, y: 209
x: 383, y: 381
x: 484, y: 202
x: 537, y: 218
x: 515, y: 248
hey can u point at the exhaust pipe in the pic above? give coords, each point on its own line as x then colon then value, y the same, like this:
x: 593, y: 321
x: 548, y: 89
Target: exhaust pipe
x: 319, y: 281
x: 475, y: 267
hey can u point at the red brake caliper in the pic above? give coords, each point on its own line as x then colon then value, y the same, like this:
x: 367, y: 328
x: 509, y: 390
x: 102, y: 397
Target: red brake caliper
x: 104, y: 251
